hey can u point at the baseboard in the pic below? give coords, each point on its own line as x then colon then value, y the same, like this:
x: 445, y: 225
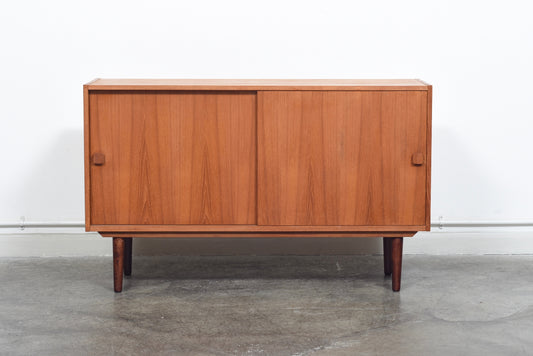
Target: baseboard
x: 55, y: 240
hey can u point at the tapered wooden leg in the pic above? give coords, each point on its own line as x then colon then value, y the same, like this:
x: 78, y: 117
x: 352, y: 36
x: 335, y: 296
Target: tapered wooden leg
x: 128, y: 245
x: 118, y: 262
x: 387, y: 254
x: 397, y: 247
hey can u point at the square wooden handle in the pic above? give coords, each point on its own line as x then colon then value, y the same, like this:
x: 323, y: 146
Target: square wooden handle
x: 98, y: 159
x: 417, y: 159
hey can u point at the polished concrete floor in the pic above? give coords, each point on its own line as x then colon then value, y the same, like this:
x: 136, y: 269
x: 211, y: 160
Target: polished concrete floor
x: 332, y: 305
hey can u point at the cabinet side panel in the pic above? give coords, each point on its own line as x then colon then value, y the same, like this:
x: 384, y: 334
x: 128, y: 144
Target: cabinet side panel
x: 87, y: 157
x: 428, y: 154
x: 341, y: 158
x: 174, y: 158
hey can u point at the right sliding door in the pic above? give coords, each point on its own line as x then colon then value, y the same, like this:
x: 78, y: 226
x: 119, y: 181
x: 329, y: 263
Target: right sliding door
x: 342, y: 158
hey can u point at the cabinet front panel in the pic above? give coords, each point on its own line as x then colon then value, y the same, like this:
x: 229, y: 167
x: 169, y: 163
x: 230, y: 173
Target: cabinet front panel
x: 342, y: 158
x: 172, y: 157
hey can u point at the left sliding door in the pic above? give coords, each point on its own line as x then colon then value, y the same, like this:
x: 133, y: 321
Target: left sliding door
x: 172, y: 157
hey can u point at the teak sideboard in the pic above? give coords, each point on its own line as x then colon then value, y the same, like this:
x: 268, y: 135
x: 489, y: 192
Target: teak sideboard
x: 257, y: 158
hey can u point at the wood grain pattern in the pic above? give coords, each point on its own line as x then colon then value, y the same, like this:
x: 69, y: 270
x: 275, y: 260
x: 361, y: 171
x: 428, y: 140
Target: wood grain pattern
x: 341, y: 158
x: 173, y: 157
x: 257, y: 84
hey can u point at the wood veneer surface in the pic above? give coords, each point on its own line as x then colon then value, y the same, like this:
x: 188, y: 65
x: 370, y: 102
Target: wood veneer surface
x: 173, y: 158
x: 341, y: 158
x: 257, y: 84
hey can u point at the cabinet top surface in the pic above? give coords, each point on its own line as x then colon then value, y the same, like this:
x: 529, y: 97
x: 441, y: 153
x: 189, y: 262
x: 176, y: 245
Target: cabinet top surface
x: 257, y: 84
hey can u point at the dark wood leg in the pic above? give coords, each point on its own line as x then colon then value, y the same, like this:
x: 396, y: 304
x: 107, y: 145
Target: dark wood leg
x: 118, y: 262
x: 128, y: 245
x: 387, y: 255
x: 397, y: 247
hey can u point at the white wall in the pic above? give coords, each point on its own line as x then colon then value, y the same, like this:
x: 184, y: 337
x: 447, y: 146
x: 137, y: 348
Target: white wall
x: 477, y: 55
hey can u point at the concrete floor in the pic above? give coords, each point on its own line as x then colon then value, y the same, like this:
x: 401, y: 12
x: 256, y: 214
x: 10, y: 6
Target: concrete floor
x: 333, y: 305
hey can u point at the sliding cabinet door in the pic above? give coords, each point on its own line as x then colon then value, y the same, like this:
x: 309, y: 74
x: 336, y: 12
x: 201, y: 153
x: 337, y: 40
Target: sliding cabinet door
x: 342, y: 158
x: 172, y: 157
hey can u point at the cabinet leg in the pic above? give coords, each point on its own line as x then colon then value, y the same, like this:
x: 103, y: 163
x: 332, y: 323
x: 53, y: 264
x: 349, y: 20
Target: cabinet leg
x: 128, y: 246
x: 397, y: 247
x: 387, y: 255
x: 118, y: 263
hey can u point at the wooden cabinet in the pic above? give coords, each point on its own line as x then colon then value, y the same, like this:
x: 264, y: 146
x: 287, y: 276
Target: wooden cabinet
x: 257, y: 158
